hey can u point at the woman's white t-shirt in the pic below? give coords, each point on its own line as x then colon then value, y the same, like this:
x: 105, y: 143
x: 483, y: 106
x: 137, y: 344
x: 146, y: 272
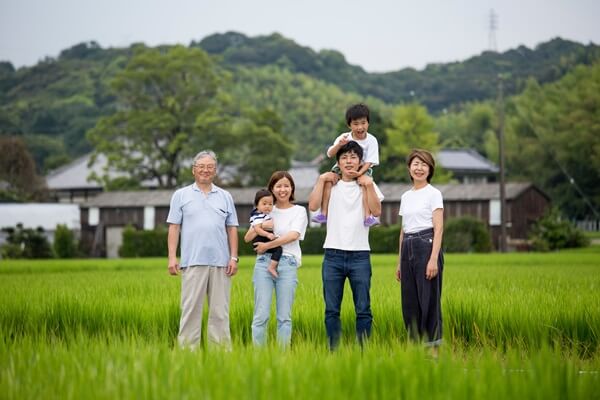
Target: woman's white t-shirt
x: 417, y: 206
x: 290, y: 219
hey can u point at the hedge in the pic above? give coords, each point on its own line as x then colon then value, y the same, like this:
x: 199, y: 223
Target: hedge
x: 458, y: 236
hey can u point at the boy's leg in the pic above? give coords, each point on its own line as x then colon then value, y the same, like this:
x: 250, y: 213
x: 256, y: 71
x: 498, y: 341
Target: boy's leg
x: 321, y: 217
x: 369, y: 219
x: 325, y: 199
x: 365, y: 201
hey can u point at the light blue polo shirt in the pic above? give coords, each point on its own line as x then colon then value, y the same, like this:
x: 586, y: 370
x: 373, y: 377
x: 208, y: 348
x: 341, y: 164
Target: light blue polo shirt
x: 203, y: 219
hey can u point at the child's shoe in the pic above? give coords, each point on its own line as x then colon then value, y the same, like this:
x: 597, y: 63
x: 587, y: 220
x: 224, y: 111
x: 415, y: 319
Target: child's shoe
x: 319, y: 218
x: 371, y: 221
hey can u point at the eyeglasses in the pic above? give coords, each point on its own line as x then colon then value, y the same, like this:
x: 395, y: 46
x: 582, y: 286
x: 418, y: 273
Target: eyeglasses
x: 203, y: 167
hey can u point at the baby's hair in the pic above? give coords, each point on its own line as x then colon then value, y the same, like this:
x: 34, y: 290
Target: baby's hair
x: 260, y: 194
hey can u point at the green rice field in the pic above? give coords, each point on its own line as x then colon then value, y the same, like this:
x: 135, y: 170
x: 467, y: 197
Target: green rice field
x: 515, y: 326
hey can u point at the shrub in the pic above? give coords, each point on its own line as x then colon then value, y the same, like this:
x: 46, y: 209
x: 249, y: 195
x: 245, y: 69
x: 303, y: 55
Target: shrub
x: 313, y: 240
x: 144, y: 243
x: 466, y: 235
x: 384, y: 239
x: 553, y: 232
x: 26, y: 243
x: 65, y: 244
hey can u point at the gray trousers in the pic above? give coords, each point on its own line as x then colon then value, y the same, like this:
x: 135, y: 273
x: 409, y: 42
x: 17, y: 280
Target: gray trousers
x: 198, y: 282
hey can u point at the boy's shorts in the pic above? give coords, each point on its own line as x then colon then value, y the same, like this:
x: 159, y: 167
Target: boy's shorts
x: 336, y: 169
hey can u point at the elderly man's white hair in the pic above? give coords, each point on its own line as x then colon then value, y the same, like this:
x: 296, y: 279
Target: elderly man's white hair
x: 205, y: 153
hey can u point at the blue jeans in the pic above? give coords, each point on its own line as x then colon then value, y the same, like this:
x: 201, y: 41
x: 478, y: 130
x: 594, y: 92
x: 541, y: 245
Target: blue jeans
x: 356, y: 266
x: 285, y: 288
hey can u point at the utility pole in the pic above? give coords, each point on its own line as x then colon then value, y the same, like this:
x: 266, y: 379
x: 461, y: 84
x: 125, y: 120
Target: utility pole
x: 503, y: 245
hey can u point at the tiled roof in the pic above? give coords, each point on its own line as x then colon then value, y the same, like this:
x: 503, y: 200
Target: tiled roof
x: 465, y: 160
x: 391, y: 191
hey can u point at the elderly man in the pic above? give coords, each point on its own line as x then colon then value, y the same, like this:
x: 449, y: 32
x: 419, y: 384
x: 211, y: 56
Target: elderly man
x: 204, y: 215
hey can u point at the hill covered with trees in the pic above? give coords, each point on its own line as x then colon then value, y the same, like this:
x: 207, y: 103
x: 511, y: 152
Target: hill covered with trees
x: 271, y: 91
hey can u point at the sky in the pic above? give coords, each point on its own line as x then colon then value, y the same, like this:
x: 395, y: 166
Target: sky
x: 378, y: 35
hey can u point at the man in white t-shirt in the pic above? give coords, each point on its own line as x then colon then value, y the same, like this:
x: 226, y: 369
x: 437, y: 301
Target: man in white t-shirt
x: 347, y: 250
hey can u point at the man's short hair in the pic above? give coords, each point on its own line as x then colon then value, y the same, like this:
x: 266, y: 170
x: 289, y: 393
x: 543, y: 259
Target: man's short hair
x: 350, y: 147
x: 205, y: 153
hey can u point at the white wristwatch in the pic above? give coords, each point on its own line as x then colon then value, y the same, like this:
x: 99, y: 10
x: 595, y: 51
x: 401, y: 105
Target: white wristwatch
x: 236, y: 259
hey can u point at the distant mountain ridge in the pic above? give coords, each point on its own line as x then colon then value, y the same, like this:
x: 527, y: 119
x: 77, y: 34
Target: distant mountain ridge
x: 437, y: 86
x: 53, y: 103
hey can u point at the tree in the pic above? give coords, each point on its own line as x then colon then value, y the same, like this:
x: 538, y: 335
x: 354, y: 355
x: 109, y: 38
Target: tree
x: 557, y: 129
x: 410, y: 127
x: 265, y: 149
x: 17, y: 172
x: 169, y: 107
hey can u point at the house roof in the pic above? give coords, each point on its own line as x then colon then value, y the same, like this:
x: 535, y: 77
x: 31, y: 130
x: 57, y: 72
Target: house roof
x: 245, y: 196
x: 465, y: 160
x: 33, y: 215
x: 75, y: 175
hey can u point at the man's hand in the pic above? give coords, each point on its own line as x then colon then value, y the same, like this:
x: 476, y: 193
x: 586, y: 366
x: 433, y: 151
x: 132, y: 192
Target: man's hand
x: 398, y: 273
x: 173, y: 266
x: 330, y: 177
x: 271, y: 236
x: 232, y: 268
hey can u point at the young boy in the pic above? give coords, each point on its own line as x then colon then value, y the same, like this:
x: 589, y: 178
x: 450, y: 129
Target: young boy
x: 263, y: 203
x: 357, y: 119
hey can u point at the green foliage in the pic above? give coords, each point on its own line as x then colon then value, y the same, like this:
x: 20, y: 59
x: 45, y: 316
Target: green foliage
x: 264, y: 148
x: 312, y: 110
x: 519, y: 326
x: 144, y: 243
x: 65, y: 244
x: 48, y: 152
x: 557, y: 140
x: 438, y: 86
x: 384, y: 239
x: 313, y: 240
x: 25, y: 243
x: 466, y: 235
x: 553, y: 232
x: 411, y: 127
x: 471, y: 127
x: 166, y: 99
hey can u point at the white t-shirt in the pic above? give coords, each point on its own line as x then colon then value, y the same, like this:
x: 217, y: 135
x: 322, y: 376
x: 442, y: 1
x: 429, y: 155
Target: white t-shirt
x: 290, y: 219
x: 417, y: 206
x: 345, y: 218
x: 369, y: 145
